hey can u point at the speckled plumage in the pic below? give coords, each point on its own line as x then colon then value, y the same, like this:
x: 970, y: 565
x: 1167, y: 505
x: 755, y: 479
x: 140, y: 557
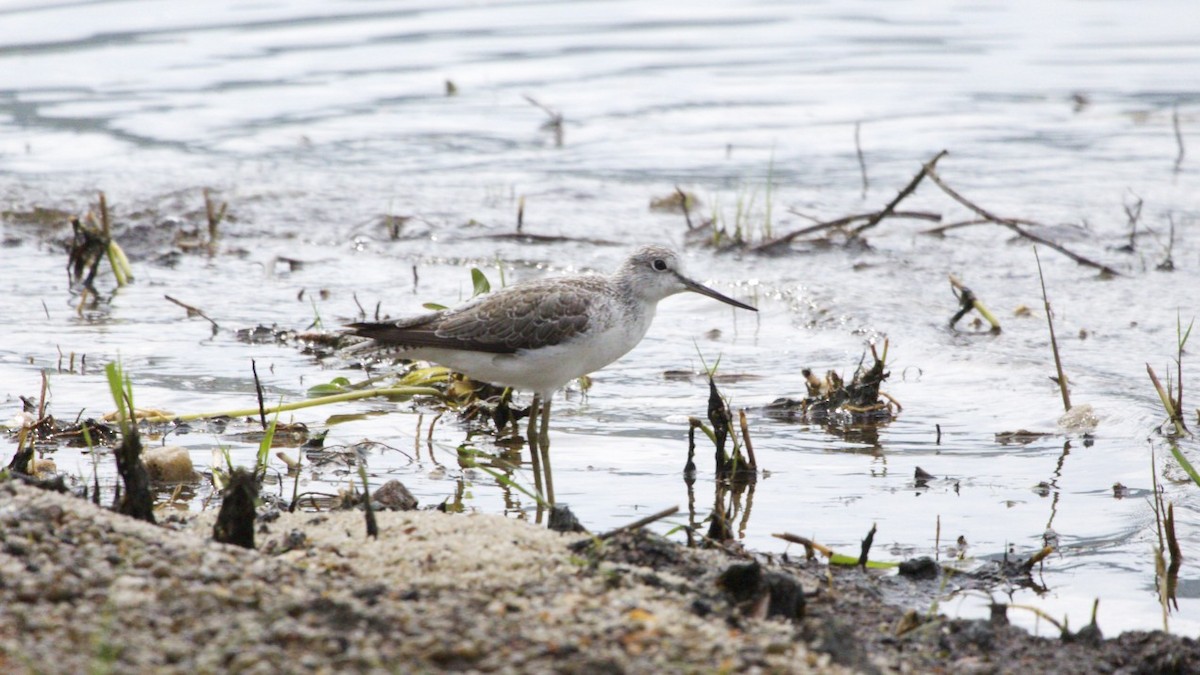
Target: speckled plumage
x: 540, y: 335
x: 524, y: 316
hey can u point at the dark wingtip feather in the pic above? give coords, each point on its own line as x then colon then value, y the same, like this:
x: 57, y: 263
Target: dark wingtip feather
x: 400, y: 335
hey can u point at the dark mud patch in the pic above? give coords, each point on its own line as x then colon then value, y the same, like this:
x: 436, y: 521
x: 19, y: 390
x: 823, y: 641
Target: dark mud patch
x: 845, y: 616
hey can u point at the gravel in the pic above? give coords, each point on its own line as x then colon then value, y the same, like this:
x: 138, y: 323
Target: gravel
x: 84, y: 589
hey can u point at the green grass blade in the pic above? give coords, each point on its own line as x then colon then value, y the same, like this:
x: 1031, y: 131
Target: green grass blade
x: 264, y: 446
x: 115, y: 377
x: 400, y: 392
x: 1183, y: 462
x: 852, y: 561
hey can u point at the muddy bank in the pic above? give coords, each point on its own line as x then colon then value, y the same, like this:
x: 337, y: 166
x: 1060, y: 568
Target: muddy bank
x: 86, y: 589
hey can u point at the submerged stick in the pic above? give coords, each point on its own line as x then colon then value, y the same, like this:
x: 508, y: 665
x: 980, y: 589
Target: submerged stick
x: 1062, y: 377
x: 1037, y: 557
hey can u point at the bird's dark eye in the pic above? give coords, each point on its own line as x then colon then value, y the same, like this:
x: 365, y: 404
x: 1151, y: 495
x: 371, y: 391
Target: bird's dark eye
x: 659, y: 264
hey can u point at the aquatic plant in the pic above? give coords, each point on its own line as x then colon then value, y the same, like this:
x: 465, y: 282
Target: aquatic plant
x: 967, y: 301
x: 92, y: 243
x: 137, y: 500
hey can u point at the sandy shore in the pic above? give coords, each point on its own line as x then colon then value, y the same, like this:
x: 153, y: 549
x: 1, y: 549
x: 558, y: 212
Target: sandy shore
x: 86, y: 590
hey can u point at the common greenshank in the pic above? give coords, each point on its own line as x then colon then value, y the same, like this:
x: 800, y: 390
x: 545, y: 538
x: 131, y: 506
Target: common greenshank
x: 539, y: 335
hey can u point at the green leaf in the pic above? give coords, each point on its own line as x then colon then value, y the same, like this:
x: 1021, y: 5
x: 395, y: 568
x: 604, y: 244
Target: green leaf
x: 480, y: 282
x: 434, y: 307
x: 335, y: 386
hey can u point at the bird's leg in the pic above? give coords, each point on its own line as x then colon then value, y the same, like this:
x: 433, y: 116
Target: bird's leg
x: 504, y: 411
x: 535, y: 457
x: 544, y: 448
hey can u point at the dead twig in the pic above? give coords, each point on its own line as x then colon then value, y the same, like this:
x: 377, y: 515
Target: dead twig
x: 214, y: 214
x: 554, y: 124
x: 943, y: 229
x: 1168, y: 263
x: 862, y: 163
x: 926, y: 170
x: 105, y: 221
x: 746, y: 439
x: 1134, y: 213
x: 1062, y: 377
x: 193, y: 311
x: 1178, y: 138
x: 262, y: 410
x: 1039, y: 612
x: 1015, y: 225
x: 683, y: 204
x: 771, y: 245
x: 808, y: 544
x: 640, y: 523
x: 866, y: 548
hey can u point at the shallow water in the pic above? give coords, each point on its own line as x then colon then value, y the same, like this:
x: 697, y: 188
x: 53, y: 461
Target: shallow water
x: 316, y: 120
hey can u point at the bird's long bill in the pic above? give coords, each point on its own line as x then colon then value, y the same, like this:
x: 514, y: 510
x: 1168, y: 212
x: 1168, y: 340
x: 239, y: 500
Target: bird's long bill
x: 705, y: 290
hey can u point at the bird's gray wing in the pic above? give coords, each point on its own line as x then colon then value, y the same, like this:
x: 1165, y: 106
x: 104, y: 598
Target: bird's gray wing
x: 526, y: 316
